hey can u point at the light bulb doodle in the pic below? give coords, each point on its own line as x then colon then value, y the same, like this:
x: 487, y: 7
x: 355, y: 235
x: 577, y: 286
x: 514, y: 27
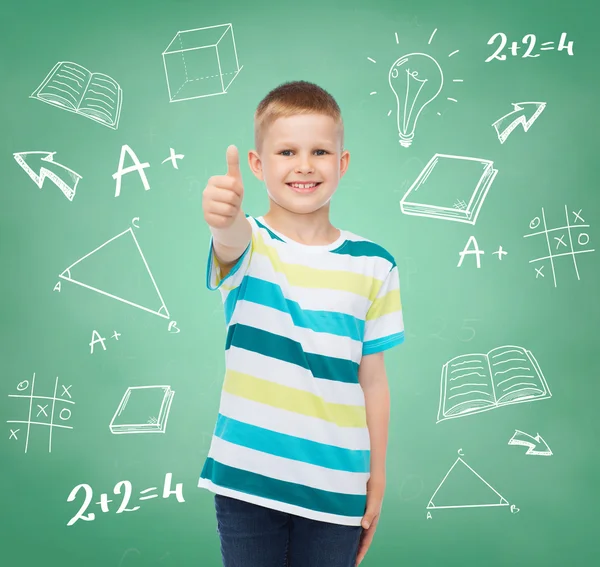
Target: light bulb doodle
x: 415, y: 79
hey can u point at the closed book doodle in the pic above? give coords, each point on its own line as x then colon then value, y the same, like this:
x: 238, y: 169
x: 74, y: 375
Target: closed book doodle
x: 451, y: 188
x: 143, y: 409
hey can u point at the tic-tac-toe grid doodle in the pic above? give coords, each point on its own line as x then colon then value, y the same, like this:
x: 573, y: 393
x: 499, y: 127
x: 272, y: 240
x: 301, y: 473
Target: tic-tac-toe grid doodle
x: 39, y: 412
x: 560, y: 245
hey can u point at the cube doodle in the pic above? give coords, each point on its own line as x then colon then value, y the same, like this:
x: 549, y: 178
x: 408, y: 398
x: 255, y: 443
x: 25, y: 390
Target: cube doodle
x: 201, y: 62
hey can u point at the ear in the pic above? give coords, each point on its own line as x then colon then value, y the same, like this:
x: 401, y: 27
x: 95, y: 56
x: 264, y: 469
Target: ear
x: 344, y: 162
x: 255, y: 164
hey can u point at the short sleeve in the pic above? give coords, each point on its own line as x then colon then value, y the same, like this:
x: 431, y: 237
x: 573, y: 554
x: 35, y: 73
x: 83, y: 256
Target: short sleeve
x: 235, y: 276
x: 384, y: 326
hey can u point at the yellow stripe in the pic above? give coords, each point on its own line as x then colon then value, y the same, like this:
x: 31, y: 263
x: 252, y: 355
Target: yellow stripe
x: 307, y: 277
x: 292, y: 399
x: 389, y: 303
x: 216, y: 269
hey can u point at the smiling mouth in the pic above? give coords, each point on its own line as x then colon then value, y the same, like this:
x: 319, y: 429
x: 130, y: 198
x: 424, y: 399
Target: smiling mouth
x: 304, y: 187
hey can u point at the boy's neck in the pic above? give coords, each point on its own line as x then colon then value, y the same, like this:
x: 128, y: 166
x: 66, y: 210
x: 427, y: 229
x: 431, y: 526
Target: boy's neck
x: 313, y: 229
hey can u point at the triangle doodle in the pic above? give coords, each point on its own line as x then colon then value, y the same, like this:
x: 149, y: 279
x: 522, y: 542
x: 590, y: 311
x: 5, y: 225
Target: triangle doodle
x: 119, y: 265
x: 462, y: 487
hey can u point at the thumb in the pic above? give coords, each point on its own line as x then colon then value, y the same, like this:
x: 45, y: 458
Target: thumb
x: 233, y: 162
x: 367, y: 519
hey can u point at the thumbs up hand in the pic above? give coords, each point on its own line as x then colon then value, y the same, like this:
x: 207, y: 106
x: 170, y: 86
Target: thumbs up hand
x: 222, y: 196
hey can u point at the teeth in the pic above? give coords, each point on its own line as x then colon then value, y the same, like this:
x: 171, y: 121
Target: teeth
x: 303, y: 185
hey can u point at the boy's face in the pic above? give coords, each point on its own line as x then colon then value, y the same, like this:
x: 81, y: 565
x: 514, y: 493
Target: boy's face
x: 302, y: 148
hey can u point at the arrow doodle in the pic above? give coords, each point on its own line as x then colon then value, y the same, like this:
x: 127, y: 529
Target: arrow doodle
x: 525, y: 113
x: 536, y: 445
x: 63, y: 177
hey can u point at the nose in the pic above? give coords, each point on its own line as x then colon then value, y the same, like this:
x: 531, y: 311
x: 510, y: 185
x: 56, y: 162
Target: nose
x: 304, y: 164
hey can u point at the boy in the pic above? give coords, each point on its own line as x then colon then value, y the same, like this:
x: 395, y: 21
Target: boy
x: 297, y: 459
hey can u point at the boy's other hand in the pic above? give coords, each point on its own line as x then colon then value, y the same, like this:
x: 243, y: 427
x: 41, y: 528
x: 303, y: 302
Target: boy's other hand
x: 375, y: 492
x: 222, y: 196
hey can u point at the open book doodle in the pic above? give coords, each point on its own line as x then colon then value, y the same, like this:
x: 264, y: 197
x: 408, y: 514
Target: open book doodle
x: 473, y: 383
x: 93, y: 95
x: 143, y: 409
x: 451, y: 188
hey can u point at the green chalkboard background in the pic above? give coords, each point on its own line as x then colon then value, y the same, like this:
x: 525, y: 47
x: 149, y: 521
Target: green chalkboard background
x: 348, y: 48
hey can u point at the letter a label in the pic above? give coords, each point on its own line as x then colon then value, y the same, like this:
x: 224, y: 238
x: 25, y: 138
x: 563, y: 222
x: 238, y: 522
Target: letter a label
x: 475, y: 250
x: 139, y: 167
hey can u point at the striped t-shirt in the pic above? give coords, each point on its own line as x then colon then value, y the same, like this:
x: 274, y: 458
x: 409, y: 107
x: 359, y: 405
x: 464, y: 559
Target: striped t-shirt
x: 291, y: 432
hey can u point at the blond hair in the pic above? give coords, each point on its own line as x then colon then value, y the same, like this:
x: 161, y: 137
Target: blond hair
x: 294, y: 97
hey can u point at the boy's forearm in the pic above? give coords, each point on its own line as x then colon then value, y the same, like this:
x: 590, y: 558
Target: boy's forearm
x: 377, y: 406
x: 229, y: 243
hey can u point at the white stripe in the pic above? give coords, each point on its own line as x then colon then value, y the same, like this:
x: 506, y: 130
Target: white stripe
x: 293, y: 376
x: 392, y: 283
x: 326, y: 261
x: 280, y: 323
x: 383, y: 326
x: 281, y: 506
x: 288, y: 470
x: 290, y: 423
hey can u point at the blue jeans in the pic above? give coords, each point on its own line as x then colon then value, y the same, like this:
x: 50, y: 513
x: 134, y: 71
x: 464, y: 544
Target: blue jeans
x: 255, y: 536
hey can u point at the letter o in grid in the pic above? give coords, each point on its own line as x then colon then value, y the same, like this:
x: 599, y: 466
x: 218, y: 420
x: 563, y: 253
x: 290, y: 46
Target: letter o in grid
x: 579, y: 238
x: 68, y: 411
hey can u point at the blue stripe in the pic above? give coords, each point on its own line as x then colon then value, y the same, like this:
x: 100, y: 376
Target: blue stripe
x: 286, y: 349
x: 290, y: 447
x: 231, y: 300
x: 271, y: 233
x: 359, y: 248
x: 270, y: 295
x: 289, y: 492
x: 383, y: 343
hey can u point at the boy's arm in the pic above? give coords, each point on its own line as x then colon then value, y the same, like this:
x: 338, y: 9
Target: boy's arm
x: 229, y: 243
x: 222, y: 206
x: 373, y: 380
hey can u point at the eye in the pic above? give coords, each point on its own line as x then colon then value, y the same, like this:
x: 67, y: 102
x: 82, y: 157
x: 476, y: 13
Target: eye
x: 286, y: 153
